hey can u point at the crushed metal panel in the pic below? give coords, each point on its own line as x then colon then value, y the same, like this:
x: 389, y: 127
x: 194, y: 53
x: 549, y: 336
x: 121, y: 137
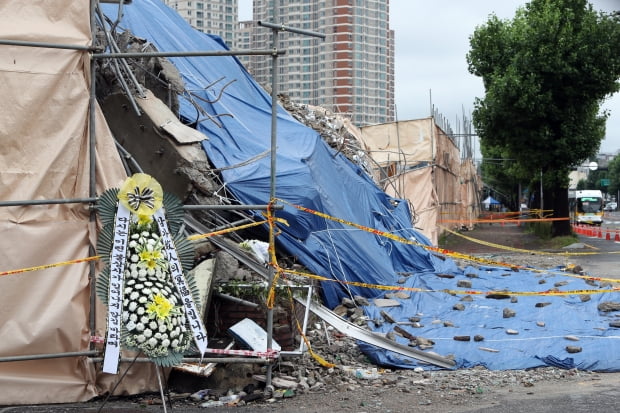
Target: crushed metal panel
x: 162, y: 116
x: 374, y: 339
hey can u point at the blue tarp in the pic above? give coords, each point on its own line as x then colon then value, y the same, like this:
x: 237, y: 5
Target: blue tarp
x: 310, y: 174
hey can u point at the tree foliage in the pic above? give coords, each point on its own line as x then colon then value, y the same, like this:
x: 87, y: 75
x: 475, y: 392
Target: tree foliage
x: 613, y: 171
x: 546, y: 74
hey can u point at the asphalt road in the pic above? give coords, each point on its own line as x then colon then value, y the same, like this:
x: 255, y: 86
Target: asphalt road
x: 606, y: 261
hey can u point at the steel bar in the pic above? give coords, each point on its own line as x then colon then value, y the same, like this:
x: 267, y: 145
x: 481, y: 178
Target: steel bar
x: 231, y: 207
x: 46, y: 45
x: 48, y: 201
x: 196, y: 53
x: 49, y: 356
x: 282, y: 28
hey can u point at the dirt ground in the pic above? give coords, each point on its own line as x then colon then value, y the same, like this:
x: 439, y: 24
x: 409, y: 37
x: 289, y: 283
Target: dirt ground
x: 467, y: 390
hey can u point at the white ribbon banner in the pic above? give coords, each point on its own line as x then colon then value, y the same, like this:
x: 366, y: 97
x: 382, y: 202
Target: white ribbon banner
x: 176, y: 272
x: 118, y: 257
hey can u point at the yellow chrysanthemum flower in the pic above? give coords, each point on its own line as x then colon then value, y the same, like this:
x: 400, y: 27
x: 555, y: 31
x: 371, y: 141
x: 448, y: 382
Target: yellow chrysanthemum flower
x: 160, y: 307
x: 141, y: 194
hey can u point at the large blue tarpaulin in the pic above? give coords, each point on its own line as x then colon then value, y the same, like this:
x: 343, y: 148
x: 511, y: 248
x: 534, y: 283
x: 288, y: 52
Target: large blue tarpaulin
x: 312, y: 175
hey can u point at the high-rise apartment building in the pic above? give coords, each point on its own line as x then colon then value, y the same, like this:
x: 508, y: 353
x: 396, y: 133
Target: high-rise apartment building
x: 217, y: 17
x: 350, y: 72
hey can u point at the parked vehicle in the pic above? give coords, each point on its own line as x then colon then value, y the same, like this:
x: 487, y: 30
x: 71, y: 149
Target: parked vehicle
x: 611, y: 206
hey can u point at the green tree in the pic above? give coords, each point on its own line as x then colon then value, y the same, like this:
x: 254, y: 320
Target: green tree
x: 546, y: 74
x: 594, y: 180
x: 582, y: 184
x: 613, y: 171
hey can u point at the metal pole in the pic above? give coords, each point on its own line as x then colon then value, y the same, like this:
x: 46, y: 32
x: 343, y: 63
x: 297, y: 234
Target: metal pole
x: 92, y: 187
x: 197, y: 53
x: 46, y: 45
x: 272, y: 177
x: 541, y: 192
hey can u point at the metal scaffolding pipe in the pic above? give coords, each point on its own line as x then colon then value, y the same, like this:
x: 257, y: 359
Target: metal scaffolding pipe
x: 282, y: 28
x: 189, y: 54
x: 49, y: 356
x: 48, y: 202
x: 229, y: 207
x: 235, y: 360
x: 236, y: 300
x: 47, y: 45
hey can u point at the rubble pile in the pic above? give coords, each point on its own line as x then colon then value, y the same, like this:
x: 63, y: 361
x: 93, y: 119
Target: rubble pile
x: 296, y: 380
x: 336, y: 130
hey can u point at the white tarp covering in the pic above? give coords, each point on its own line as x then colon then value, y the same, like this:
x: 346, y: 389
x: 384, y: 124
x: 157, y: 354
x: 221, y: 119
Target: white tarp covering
x: 44, y: 130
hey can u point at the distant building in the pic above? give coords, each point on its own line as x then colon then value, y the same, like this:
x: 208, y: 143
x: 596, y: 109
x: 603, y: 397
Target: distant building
x: 217, y: 17
x: 351, y: 72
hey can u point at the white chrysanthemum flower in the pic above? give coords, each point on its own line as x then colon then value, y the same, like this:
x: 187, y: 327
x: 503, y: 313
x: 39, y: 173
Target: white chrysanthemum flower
x: 144, y: 319
x: 139, y: 286
x: 134, y: 295
x: 152, y: 342
x: 146, y: 291
x: 175, y: 343
x: 140, y: 311
x: 133, y: 317
x: 153, y: 325
x: 125, y: 316
x: 174, y: 333
x: 134, y: 258
x: 148, y: 333
x: 150, y: 271
x: 132, y: 306
x: 133, y: 267
x: 142, y: 300
x: 165, y: 343
x: 132, y: 244
x: 130, y: 325
x: 163, y: 328
x: 140, y: 327
x: 142, y: 273
x: 135, y: 236
x: 141, y: 338
x: 145, y: 234
x: 157, y: 336
x: 125, y: 302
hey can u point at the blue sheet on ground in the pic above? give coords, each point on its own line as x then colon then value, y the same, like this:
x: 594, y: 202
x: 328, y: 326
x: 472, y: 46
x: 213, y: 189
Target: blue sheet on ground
x: 311, y: 174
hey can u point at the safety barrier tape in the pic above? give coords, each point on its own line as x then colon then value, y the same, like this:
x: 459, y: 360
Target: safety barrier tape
x: 502, y: 220
x: 46, y: 266
x: 532, y: 252
x: 551, y: 292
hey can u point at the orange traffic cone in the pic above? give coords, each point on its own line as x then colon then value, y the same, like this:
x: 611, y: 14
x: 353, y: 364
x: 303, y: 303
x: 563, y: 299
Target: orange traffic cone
x: 617, y: 237
x: 600, y: 233
x: 607, y: 236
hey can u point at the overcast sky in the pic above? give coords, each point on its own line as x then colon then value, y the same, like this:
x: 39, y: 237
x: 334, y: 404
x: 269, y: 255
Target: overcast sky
x: 432, y: 39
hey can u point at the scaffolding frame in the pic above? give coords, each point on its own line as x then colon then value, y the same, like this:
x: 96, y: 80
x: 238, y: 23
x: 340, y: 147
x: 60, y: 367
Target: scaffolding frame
x: 97, y: 53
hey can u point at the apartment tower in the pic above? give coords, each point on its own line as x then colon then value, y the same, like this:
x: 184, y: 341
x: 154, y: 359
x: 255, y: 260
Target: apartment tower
x: 217, y: 17
x: 350, y: 72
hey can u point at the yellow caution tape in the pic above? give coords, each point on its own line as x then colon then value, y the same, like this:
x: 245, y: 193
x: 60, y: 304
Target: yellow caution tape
x: 504, y: 247
x: 46, y: 266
